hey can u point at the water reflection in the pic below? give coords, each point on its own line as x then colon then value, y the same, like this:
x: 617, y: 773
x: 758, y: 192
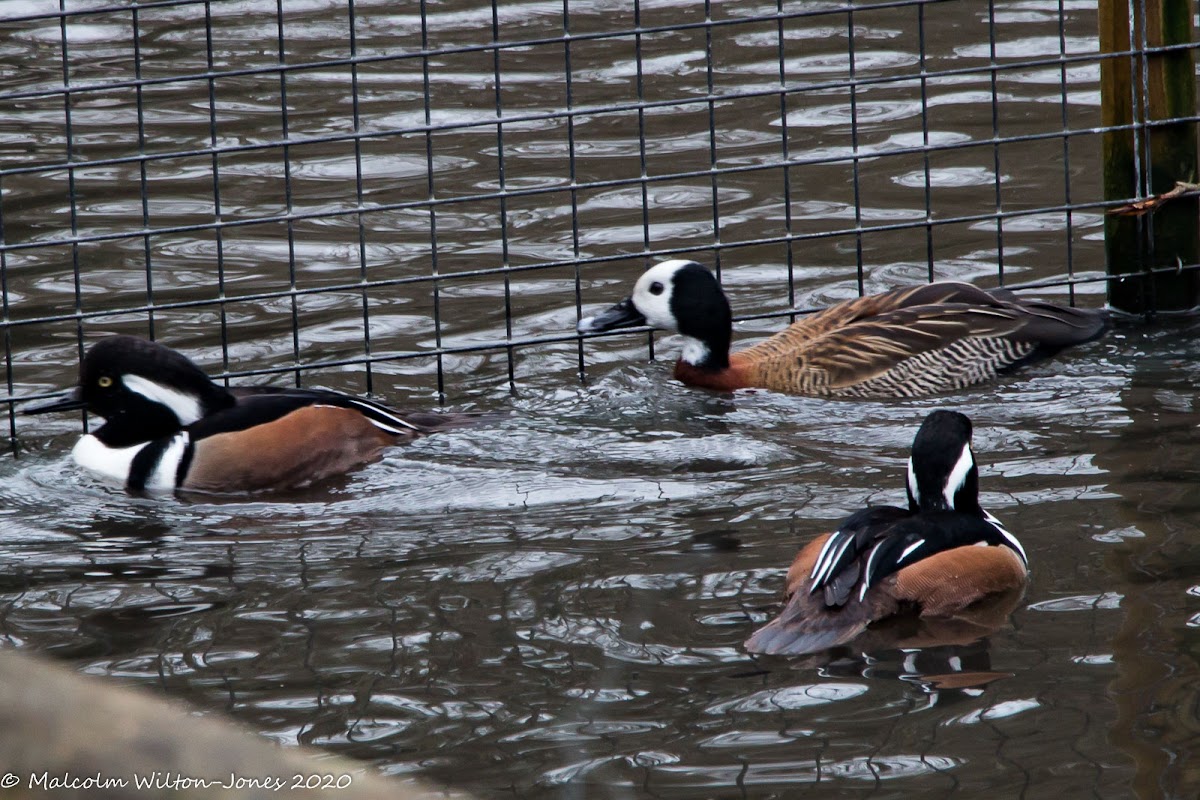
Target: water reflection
x: 634, y: 529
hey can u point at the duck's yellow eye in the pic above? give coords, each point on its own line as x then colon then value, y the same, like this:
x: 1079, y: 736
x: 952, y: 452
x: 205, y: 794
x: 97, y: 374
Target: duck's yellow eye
x: 104, y: 381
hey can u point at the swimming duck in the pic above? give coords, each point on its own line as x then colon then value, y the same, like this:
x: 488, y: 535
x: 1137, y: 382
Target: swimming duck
x: 940, y: 556
x: 920, y: 340
x: 167, y: 425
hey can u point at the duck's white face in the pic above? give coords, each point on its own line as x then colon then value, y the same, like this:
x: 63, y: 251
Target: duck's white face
x: 677, y: 296
x: 653, y: 291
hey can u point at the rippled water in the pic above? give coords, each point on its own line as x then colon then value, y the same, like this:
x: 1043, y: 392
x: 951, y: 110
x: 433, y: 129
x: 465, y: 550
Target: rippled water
x: 553, y: 603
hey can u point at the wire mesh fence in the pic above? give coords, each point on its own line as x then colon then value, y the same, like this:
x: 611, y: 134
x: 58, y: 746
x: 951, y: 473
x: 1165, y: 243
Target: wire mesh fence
x: 336, y: 176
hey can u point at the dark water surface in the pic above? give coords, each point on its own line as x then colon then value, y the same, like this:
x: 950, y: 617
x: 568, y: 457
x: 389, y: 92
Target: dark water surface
x: 553, y: 604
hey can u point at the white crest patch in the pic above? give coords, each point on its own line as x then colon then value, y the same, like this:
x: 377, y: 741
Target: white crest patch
x: 185, y: 407
x: 958, y: 475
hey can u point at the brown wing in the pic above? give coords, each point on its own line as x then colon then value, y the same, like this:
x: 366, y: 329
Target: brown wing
x: 914, y: 341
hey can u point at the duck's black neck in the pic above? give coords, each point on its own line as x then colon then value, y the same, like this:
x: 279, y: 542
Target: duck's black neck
x: 130, y: 427
x: 702, y: 314
x: 710, y: 354
x: 934, y: 494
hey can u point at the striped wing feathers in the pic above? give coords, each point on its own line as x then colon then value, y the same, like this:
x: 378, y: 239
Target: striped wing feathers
x: 257, y: 405
x: 807, y: 624
x: 954, y: 335
x: 866, y: 349
x: 382, y: 417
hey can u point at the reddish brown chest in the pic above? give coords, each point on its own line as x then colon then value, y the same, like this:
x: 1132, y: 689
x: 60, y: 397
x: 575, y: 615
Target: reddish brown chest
x: 726, y: 380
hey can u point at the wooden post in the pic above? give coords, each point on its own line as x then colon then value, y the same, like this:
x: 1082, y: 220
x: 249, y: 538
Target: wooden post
x: 1170, y: 236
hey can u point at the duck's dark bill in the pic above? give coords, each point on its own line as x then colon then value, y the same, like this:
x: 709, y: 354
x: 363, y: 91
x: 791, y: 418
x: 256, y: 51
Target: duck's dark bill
x: 622, y: 315
x: 67, y: 401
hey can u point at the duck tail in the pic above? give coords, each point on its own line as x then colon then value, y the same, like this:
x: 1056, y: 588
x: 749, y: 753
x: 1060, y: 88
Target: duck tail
x: 1063, y: 326
x: 1054, y: 325
x: 807, y: 625
x: 435, y: 422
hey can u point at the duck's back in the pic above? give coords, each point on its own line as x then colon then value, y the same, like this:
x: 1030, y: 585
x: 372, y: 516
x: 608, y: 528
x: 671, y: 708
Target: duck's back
x: 921, y: 340
x: 278, y: 438
x: 885, y: 561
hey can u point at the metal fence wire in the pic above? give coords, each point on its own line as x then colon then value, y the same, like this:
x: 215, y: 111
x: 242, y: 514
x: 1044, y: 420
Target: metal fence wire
x: 346, y: 173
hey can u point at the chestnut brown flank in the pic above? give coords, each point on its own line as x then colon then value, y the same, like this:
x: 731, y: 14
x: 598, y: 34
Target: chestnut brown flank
x: 304, y: 446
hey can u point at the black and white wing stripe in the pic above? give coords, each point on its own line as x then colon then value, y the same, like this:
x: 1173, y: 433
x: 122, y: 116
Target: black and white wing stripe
x: 382, y: 417
x: 885, y: 560
x: 160, y: 464
x: 261, y: 404
x: 836, y: 568
x: 1007, y: 538
x: 915, y: 539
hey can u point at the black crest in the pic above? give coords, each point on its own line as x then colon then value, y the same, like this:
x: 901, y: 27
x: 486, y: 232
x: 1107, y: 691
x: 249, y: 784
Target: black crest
x: 938, y: 448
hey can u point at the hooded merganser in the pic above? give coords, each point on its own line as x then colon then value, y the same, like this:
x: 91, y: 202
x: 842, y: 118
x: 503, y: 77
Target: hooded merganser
x: 167, y: 425
x: 920, y: 340
x: 937, y: 557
